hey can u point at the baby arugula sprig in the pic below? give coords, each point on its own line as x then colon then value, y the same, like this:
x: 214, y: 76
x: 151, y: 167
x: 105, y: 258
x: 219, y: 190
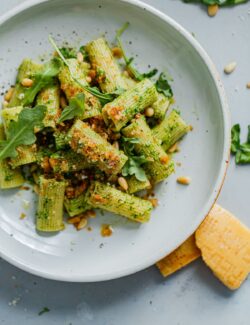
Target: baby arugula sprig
x: 21, y: 132
x: 240, y: 150
x: 41, y: 80
x: 104, y: 98
x: 134, y: 163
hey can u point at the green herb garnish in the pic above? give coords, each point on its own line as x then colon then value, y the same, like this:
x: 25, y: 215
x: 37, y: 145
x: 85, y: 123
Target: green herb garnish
x: 68, y: 52
x: 162, y: 85
x: 235, y: 138
x: 241, y: 151
x: 128, y: 61
x: 41, y: 80
x: 84, y: 52
x: 104, y: 98
x: 43, y: 311
x: 21, y: 132
x: 133, y: 167
x: 150, y: 74
x: 134, y: 163
x: 74, y: 109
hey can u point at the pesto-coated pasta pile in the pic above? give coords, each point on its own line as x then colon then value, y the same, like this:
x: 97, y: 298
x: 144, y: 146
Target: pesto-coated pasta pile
x: 89, y: 132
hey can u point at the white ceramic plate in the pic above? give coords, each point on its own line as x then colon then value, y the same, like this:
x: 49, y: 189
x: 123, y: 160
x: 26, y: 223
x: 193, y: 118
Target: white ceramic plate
x: 157, y: 41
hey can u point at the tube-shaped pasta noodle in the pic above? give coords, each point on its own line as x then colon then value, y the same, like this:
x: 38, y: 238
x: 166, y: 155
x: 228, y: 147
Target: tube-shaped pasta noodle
x: 108, y: 72
x: 148, y: 146
x: 26, y: 155
x: 160, y: 106
x: 50, y: 205
x: 96, y: 149
x: 76, y: 205
x: 109, y: 198
x: 50, y: 97
x: 10, y: 114
x: 71, y: 88
x: 158, y: 172
x: 27, y: 69
x: 134, y: 185
x: 60, y: 140
x: 121, y: 110
x: 67, y: 162
x: 170, y: 130
x: 9, y: 178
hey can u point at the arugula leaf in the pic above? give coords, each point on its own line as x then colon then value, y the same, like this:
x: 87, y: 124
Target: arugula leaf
x: 44, y: 310
x: 162, y: 85
x: 133, y: 167
x: 218, y: 2
x: 21, y: 132
x: 84, y: 52
x: 235, y: 138
x: 134, y: 163
x: 68, y: 52
x: 41, y: 80
x: 75, y: 109
x: 104, y: 98
x: 150, y: 74
x: 128, y: 61
x: 241, y: 151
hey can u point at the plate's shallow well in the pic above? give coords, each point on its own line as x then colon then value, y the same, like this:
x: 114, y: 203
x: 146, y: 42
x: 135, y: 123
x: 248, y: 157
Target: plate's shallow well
x: 154, y: 40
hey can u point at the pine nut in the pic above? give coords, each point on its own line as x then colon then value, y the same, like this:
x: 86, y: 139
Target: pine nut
x: 116, y: 145
x: 82, y: 224
x: 74, y: 220
x: 79, y: 57
x: 9, y: 94
x: 229, y: 68
x: 123, y: 183
x: 27, y: 82
x: 184, y: 180
x: 88, y: 79
x: 212, y: 10
x: 174, y: 148
x: 149, y: 112
x: 126, y: 74
x: 117, y: 52
x: 154, y: 202
x: 248, y: 85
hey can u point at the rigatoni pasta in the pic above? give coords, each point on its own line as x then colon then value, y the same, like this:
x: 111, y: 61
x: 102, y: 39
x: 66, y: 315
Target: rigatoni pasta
x: 157, y: 165
x: 89, y: 133
x: 170, y: 130
x: 109, y: 198
x: 109, y: 75
x: 95, y: 149
x: 50, y: 97
x: 9, y: 178
x: 119, y: 112
x: 50, y: 205
x: 78, y: 70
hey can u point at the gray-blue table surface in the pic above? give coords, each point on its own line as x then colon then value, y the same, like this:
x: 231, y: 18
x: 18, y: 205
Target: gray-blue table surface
x: 191, y: 296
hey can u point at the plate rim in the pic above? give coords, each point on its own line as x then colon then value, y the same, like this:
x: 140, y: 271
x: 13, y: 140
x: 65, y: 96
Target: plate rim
x: 211, y: 200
